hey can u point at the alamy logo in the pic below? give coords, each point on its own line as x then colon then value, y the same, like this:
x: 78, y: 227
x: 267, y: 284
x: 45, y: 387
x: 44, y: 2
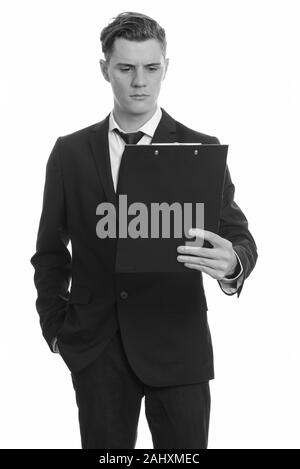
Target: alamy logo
x: 139, y: 226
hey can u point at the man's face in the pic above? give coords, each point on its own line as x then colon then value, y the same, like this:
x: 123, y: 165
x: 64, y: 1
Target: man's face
x: 135, y: 72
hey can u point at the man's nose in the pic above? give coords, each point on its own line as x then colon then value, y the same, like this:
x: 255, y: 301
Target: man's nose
x: 139, y: 78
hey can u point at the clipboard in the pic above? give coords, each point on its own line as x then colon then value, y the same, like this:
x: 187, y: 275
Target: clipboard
x: 190, y: 176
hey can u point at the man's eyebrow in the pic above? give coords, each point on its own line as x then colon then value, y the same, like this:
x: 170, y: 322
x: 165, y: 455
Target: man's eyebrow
x: 131, y: 65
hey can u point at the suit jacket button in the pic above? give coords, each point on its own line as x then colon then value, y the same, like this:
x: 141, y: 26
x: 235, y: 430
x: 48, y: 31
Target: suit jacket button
x: 124, y: 295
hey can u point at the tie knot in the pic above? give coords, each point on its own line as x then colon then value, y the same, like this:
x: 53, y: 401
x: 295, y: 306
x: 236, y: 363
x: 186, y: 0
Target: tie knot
x: 131, y: 138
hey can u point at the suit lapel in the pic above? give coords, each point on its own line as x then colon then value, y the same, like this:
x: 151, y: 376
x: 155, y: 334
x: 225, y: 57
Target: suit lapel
x: 166, y: 130
x: 100, y: 151
x: 164, y: 133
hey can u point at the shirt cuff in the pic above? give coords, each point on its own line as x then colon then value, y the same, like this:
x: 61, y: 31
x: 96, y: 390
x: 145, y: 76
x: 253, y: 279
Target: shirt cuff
x: 231, y: 285
x: 241, y: 270
x: 54, y: 345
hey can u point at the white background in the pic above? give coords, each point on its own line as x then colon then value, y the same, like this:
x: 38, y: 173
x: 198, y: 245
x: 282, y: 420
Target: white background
x: 233, y: 73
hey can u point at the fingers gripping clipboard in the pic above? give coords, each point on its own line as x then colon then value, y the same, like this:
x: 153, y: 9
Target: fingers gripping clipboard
x: 156, y: 184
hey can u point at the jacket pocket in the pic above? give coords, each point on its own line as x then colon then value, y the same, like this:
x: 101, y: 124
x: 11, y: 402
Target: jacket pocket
x: 80, y: 295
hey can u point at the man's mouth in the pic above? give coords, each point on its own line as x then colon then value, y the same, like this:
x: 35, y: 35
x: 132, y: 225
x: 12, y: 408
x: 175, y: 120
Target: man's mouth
x: 140, y: 96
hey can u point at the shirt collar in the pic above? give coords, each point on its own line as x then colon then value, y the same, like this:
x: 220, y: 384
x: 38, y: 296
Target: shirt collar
x: 148, y: 128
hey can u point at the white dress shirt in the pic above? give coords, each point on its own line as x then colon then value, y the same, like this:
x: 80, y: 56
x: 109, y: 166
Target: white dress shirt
x: 116, y: 148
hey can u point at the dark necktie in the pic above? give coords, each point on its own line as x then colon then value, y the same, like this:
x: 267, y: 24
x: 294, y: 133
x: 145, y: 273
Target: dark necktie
x: 131, y: 138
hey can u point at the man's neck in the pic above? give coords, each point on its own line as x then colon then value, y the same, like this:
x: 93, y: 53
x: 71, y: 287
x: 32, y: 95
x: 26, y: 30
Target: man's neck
x: 132, y: 122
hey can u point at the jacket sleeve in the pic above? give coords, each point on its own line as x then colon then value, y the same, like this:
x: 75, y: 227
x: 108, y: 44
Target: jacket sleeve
x: 234, y: 227
x: 52, y: 259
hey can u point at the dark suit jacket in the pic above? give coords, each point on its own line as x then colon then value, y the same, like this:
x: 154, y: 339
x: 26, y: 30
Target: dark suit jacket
x: 162, y: 316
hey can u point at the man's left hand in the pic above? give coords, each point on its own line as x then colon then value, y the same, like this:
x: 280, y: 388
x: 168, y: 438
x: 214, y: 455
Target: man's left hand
x: 218, y: 261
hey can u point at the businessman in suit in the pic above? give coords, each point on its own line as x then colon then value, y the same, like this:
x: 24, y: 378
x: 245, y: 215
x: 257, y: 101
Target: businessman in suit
x: 126, y: 335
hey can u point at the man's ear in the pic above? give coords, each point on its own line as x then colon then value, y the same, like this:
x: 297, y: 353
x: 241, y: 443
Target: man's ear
x: 104, y: 67
x: 166, y: 67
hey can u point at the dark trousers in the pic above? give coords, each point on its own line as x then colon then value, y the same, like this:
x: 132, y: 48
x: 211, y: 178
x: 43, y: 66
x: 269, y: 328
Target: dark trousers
x: 109, y: 394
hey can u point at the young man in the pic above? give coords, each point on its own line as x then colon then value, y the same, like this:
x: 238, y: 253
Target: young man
x: 125, y: 335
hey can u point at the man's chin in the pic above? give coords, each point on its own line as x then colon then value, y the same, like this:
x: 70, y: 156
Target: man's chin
x: 140, y: 108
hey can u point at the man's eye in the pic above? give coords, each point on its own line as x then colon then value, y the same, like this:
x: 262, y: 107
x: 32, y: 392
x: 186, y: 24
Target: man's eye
x: 125, y: 69
x: 152, y: 69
